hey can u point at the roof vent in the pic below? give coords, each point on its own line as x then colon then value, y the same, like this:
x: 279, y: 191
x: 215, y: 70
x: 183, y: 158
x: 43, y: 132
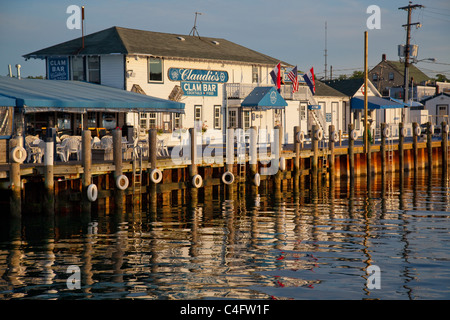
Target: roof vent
x: 180, y: 38
x: 215, y: 42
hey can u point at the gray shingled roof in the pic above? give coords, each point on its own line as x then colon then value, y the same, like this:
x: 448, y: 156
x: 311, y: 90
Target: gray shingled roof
x: 347, y: 86
x: 131, y: 41
x: 326, y: 91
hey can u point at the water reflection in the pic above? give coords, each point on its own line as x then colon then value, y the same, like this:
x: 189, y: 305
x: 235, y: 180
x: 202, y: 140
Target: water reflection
x: 304, y: 243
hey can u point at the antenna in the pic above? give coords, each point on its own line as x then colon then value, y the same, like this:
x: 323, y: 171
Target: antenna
x: 325, y: 50
x: 194, y: 28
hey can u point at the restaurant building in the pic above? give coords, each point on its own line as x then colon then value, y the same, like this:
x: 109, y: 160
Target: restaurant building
x: 211, y: 76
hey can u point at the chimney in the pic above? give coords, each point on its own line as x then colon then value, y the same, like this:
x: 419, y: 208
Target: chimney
x: 383, y: 57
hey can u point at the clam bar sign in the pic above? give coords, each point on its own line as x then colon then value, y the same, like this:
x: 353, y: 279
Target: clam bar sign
x: 198, y: 82
x: 58, y: 68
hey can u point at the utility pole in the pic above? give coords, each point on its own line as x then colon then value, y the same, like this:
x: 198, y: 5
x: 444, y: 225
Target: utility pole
x: 409, y: 8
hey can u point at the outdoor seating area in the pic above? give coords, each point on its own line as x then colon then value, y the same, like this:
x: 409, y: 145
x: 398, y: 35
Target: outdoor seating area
x: 68, y: 148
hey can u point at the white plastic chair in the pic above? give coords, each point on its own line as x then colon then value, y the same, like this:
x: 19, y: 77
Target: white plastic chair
x: 36, y: 151
x: 73, y: 146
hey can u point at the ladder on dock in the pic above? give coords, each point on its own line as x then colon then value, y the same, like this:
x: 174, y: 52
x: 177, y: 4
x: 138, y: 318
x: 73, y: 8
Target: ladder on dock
x: 137, y: 172
x: 390, y: 149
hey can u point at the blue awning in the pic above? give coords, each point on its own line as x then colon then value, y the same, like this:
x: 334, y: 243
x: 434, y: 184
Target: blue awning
x: 74, y: 96
x: 7, y: 102
x: 374, y: 103
x: 410, y: 104
x: 264, y: 98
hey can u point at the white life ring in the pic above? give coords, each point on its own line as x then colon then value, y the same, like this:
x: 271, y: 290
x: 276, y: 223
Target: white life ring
x: 257, y: 179
x: 446, y: 128
x: 300, y: 137
x: 387, y: 132
x: 418, y: 131
x: 353, y: 135
x: 228, y: 177
x: 403, y: 132
x: 334, y: 137
x: 122, y: 182
x: 18, y: 154
x: 92, y: 192
x: 197, y: 181
x: 282, y: 163
x: 319, y: 134
x: 432, y: 129
x: 156, y: 176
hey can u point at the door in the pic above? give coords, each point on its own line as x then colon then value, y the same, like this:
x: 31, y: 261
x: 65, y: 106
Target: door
x: 442, y: 113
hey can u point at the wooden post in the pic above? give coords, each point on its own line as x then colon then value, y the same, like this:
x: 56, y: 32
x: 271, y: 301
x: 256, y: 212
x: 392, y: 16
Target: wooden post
x: 118, y: 171
x: 351, y: 144
x: 429, y: 146
x: 49, y: 182
x: 86, y: 160
x: 296, y: 150
x: 331, y: 130
x: 193, y: 166
x: 383, y: 149
x: 444, y: 145
x: 401, y: 155
x: 315, y: 151
x: 253, y: 152
x: 14, y: 178
x: 152, y: 147
x: 415, y: 125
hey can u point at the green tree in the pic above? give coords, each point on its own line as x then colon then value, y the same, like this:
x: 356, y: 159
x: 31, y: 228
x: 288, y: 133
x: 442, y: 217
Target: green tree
x: 441, y: 77
x: 357, y: 75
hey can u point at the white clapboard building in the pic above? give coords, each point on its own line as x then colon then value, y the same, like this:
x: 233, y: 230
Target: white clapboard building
x: 213, y: 77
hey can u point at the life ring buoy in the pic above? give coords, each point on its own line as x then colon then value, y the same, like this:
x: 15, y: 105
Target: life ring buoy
x: 446, y: 128
x: 418, y: 131
x: 300, y: 137
x: 122, y: 182
x: 353, y: 135
x: 403, y: 132
x: 197, y: 181
x: 432, y: 129
x: 257, y: 179
x: 282, y: 163
x: 156, y: 176
x: 319, y: 134
x: 334, y: 137
x: 19, y: 154
x: 228, y: 177
x: 92, y: 192
x: 387, y: 132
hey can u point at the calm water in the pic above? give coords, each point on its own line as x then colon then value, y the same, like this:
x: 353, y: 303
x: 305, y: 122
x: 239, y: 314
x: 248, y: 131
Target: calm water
x: 302, y: 246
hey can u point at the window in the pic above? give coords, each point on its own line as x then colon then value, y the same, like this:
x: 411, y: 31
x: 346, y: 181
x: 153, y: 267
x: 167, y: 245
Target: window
x: 155, y: 70
x: 94, y: 69
x: 246, y: 119
x: 92, y: 119
x: 255, y: 73
x: 217, y: 117
x: 391, y: 76
x: 177, y: 121
x: 78, y: 69
x: 303, y: 111
x: 197, y: 113
x: 147, y: 120
x: 375, y: 77
x: 232, y: 119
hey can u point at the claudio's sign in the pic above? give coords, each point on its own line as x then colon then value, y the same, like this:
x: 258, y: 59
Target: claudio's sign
x: 182, y: 74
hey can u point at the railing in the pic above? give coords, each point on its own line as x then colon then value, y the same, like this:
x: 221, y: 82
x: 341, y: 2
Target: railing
x: 242, y: 90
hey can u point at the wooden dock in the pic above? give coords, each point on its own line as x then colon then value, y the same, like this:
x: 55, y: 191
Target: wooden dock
x: 119, y: 182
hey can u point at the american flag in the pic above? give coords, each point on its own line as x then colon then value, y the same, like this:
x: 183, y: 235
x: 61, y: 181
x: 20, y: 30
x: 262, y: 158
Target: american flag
x: 293, y: 76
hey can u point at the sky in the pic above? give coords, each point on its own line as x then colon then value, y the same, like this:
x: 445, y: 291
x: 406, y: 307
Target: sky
x: 289, y: 30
